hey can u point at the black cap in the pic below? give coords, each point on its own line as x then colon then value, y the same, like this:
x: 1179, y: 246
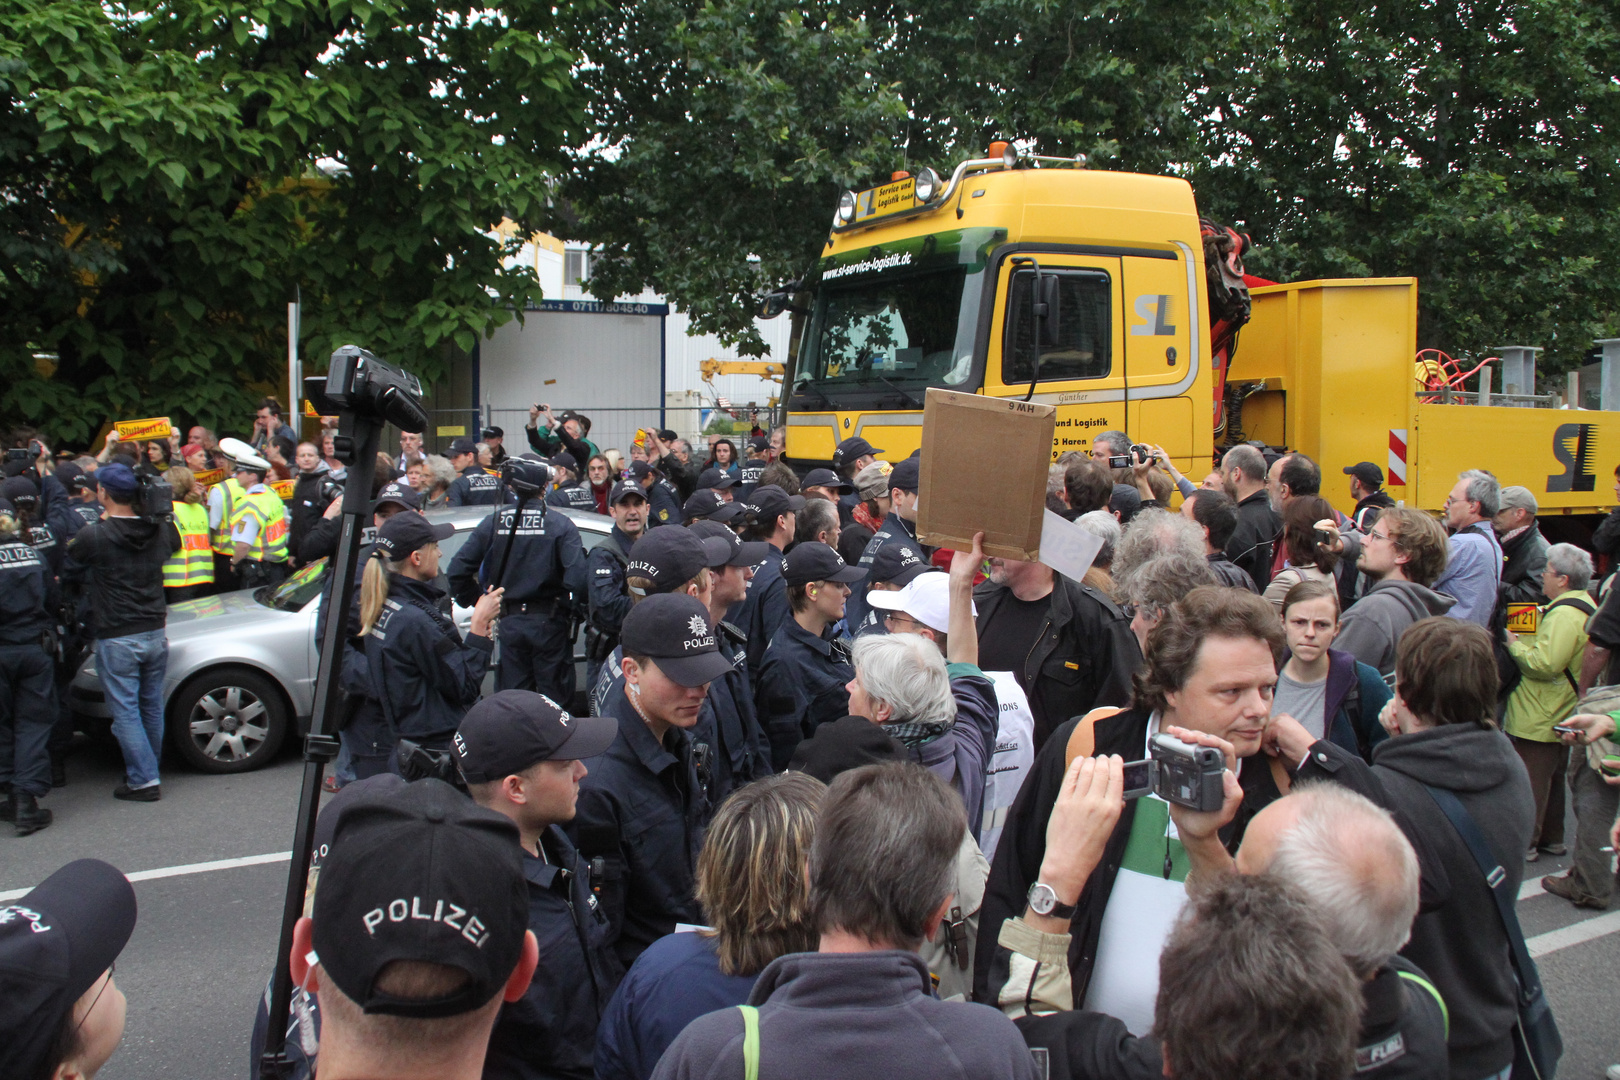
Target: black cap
x: 6, y: 507
x: 670, y: 557
x: 421, y: 873
x: 494, y: 433
x: 83, y: 482
x: 1370, y: 475
x: 759, y: 443
x: 828, y: 479
x: 845, y: 744
x: 667, y: 435
x: 851, y: 450
x: 464, y: 445
x: 739, y: 552
x: 673, y: 629
x: 623, y: 490
x: 714, y: 478
x: 565, y: 460
x: 815, y: 561
x: 400, y: 494
x: 55, y: 942
x: 706, y: 505
x: 896, y: 564
x: 407, y: 532
x: 510, y: 731
x: 640, y: 470
x: 21, y: 490
x: 768, y: 502
x: 1126, y: 500
x: 570, y: 414
x: 906, y: 475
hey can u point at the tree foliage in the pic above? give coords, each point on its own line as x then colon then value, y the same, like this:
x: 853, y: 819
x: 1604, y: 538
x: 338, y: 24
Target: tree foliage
x: 173, y: 174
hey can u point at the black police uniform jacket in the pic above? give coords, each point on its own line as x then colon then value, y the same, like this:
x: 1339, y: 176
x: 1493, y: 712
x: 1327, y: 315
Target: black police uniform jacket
x: 70, y: 515
x: 893, y: 530
x: 574, y: 496
x: 663, y: 504
x: 764, y: 610
x: 474, y: 487
x: 605, y: 574
x: 551, y: 1030
x: 803, y: 683
x: 421, y: 672
x: 643, y: 810
x: 27, y: 592
x: 547, y: 561
x: 729, y: 723
x: 1083, y: 658
x: 1023, y: 845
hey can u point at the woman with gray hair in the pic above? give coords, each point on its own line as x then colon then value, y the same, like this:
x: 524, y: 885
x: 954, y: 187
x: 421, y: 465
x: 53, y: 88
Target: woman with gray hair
x: 1105, y: 527
x: 1549, y: 661
x: 921, y: 681
x: 441, y: 474
x: 1159, y: 582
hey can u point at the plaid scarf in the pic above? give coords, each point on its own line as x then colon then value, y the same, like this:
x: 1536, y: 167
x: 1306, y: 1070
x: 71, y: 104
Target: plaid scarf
x: 912, y: 734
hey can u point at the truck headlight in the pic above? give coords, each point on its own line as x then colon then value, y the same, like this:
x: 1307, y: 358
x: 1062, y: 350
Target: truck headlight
x: 846, y: 207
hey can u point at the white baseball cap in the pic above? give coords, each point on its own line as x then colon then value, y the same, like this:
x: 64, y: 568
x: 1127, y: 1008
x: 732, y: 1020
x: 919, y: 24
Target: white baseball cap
x: 927, y: 599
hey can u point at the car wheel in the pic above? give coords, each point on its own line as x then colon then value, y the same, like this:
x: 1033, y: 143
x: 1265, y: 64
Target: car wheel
x: 228, y: 721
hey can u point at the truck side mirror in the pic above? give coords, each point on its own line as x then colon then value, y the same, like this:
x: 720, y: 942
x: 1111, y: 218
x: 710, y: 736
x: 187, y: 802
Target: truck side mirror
x: 772, y: 304
x: 1048, y: 313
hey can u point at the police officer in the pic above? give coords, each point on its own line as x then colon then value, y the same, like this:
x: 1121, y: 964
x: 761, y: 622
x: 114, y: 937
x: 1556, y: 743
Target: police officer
x: 642, y: 808
x: 420, y: 671
x: 70, y: 515
x: 522, y: 756
x: 721, y: 483
x: 568, y: 491
x: 23, y: 495
x: 759, y: 456
x: 223, y: 499
x: 474, y: 487
x: 893, y: 568
x: 540, y: 560
x: 27, y: 681
x: 898, y: 527
x: 663, y: 503
x: 775, y: 516
x: 661, y: 561
x: 609, y: 596
x: 803, y: 682
x: 258, y: 527
x: 730, y: 723
x: 706, y: 505
x: 849, y: 458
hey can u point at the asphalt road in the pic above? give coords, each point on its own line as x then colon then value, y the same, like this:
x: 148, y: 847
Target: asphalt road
x: 204, y: 943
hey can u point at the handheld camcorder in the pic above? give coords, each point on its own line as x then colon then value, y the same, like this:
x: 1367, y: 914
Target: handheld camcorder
x: 30, y: 452
x: 1178, y: 772
x: 417, y: 762
x: 154, y: 498
x: 1139, y: 455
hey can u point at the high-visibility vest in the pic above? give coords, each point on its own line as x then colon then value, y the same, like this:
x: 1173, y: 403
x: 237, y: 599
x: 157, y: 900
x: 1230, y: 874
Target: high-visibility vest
x: 193, y: 564
x: 265, y: 507
x: 235, y: 494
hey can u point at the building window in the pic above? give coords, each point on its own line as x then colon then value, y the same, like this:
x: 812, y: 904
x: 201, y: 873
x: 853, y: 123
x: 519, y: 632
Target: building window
x: 576, y: 267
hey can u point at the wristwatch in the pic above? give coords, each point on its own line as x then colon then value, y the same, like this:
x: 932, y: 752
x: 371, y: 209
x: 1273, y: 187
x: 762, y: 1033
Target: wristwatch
x: 1043, y: 900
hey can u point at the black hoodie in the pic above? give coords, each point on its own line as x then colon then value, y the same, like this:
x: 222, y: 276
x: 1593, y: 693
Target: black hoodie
x: 1457, y: 937
x: 121, y: 560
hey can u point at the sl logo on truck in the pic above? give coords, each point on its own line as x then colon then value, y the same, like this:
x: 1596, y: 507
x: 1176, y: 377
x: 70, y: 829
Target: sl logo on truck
x: 1572, y: 446
x: 1155, y: 313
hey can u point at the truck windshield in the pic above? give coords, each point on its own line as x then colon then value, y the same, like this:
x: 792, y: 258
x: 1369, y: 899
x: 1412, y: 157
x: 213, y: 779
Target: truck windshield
x: 897, y: 318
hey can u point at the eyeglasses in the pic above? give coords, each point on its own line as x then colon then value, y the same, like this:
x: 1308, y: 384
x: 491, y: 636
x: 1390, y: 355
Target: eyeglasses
x: 896, y: 617
x: 106, y: 982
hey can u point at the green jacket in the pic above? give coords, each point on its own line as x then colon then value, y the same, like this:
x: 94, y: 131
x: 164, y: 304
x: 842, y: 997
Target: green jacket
x: 1544, y: 696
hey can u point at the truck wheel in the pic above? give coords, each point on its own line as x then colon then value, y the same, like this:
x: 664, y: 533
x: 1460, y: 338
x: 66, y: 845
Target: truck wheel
x: 228, y: 720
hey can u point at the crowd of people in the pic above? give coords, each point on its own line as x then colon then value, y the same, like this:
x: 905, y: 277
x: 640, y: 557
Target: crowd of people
x: 841, y: 803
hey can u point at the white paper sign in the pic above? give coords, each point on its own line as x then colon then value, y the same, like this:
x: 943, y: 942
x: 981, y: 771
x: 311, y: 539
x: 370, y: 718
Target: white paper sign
x: 1066, y: 547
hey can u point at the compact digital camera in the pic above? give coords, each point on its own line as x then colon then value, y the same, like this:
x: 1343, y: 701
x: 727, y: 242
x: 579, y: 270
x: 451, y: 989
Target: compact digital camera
x: 1179, y: 773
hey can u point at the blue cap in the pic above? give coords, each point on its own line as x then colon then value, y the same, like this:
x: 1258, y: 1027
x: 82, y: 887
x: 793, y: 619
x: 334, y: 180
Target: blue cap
x: 118, y: 479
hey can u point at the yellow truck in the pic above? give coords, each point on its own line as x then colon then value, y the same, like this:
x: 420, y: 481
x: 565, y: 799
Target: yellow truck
x: 1087, y: 290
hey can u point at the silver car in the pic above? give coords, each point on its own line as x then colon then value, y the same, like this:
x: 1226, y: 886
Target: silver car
x: 242, y: 664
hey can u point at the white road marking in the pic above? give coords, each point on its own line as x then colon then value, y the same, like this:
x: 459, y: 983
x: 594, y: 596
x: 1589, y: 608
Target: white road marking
x: 1529, y: 888
x: 183, y: 871
x: 1574, y: 934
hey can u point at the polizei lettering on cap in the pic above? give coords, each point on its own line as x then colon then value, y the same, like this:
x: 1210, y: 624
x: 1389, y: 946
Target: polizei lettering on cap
x: 445, y: 912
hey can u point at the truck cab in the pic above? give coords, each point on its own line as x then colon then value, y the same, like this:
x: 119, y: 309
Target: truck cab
x: 936, y: 284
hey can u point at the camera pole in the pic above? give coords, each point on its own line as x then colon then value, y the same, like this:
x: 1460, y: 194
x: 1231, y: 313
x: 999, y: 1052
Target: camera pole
x: 356, y: 446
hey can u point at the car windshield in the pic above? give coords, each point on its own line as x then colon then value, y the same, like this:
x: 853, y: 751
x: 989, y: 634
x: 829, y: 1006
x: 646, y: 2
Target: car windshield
x: 897, y: 318
x: 299, y: 589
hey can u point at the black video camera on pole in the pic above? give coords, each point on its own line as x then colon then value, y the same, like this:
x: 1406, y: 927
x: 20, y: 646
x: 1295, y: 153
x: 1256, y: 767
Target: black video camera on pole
x: 366, y: 394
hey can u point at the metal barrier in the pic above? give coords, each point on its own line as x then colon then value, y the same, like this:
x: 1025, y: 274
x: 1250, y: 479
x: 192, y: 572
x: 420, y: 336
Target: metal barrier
x: 615, y: 426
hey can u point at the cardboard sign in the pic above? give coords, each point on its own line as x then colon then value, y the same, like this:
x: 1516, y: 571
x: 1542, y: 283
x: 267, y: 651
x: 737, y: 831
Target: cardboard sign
x: 143, y: 430
x: 209, y: 477
x: 984, y: 463
x: 284, y: 488
x: 1523, y: 618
